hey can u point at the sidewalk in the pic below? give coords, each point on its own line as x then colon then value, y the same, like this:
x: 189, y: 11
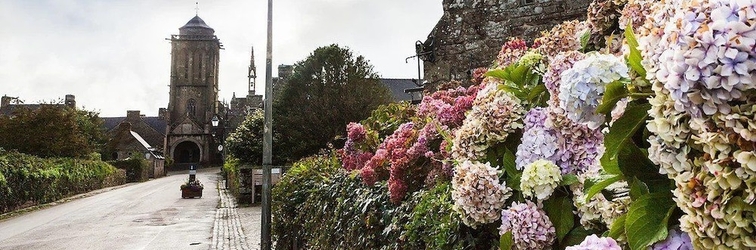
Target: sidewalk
x: 228, y: 230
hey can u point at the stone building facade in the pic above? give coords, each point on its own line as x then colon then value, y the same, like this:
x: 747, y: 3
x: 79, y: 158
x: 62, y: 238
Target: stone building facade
x: 193, y: 97
x: 470, y: 33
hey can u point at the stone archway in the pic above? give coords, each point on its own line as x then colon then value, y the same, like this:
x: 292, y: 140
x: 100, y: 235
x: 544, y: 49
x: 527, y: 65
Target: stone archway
x: 186, y: 152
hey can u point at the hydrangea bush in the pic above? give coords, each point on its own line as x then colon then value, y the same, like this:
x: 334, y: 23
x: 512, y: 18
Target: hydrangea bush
x: 636, y: 124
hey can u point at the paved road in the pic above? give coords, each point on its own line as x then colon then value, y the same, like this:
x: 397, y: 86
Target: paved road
x: 149, y: 215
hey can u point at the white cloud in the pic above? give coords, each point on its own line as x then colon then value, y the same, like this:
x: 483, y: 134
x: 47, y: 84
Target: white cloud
x: 114, y: 57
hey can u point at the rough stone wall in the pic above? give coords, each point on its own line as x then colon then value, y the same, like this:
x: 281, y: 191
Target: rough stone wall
x: 471, y: 32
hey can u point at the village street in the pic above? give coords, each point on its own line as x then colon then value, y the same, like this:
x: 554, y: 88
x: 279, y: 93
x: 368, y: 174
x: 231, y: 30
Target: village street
x: 148, y: 215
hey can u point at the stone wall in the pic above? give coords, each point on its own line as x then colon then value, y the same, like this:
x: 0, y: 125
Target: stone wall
x: 471, y: 32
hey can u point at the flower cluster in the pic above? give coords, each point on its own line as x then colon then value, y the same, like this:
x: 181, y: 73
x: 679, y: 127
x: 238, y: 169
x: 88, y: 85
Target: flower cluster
x: 511, y: 52
x: 580, y: 147
x: 494, y: 115
x: 448, y: 106
x: 539, y: 179
x: 552, y: 79
x: 538, y: 140
x: 352, y: 157
x: 583, y: 85
x: 634, y: 14
x: 478, y: 196
x: 563, y: 37
x: 392, y: 152
x: 593, y: 242
x: 600, y: 212
x: 699, y: 58
x: 529, y: 224
x: 676, y: 240
x: 602, y: 15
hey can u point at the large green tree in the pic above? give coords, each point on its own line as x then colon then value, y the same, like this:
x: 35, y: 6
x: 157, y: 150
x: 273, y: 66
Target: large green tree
x: 327, y: 90
x: 52, y: 131
x: 246, y: 142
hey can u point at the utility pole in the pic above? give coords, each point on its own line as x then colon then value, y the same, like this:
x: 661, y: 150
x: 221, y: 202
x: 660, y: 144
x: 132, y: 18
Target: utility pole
x: 267, y: 134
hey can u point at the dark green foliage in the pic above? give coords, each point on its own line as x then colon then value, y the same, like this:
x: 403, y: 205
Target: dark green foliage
x: 231, y: 170
x: 27, y: 180
x: 246, y: 142
x: 136, y: 168
x: 52, y: 131
x: 326, y: 91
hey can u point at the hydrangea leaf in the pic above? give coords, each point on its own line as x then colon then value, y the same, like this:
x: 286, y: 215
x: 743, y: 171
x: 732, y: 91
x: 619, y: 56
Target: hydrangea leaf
x: 613, y: 93
x: 584, y: 38
x: 569, y: 179
x: 634, y: 59
x: 618, y: 227
x: 559, y: 209
x: 638, y: 189
x: 596, y: 187
x: 634, y: 163
x: 506, y: 241
x: 647, y: 218
x: 621, y: 132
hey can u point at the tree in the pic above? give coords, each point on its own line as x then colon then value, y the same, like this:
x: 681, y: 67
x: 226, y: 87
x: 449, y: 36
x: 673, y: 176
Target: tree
x: 52, y: 131
x: 327, y: 90
x: 246, y: 142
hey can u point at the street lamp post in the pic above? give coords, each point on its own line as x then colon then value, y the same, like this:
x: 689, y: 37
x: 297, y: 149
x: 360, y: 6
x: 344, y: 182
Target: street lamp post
x: 267, y: 135
x: 216, y: 122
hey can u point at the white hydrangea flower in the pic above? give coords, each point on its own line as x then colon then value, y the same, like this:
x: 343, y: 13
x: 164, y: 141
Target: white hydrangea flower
x: 583, y: 86
x: 478, y: 196
x: 539, y: 179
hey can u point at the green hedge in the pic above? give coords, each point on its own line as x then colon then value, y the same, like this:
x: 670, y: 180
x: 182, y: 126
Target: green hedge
x: 231, y: 170
x: 317, y: 205
x: 136, y: 169
x: 27, y: 180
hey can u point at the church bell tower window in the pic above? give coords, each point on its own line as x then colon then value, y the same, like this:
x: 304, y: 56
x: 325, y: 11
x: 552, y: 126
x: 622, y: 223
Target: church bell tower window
x: 191, y: 107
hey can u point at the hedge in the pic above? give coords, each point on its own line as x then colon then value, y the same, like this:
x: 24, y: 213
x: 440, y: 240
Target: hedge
x: 319, y: 206
x: 27, y: 180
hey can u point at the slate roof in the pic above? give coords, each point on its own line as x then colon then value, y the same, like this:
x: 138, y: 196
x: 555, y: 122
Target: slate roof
x: 153, y: 121
x: 196, y: 22
x: 398, y: 87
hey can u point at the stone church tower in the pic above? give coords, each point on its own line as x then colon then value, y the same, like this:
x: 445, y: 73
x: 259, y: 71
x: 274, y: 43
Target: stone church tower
x: 193, y: 99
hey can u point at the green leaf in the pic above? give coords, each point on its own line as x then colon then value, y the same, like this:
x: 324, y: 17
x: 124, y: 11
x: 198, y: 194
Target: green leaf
x: 575, y: 237
x: 584, y: 40
x: 613, y: 93
x: 559, y: 209
x: 634, y: 163
x: 498, y: 73
x: 604, y: 181
x: 569, y: 179
x: 536, y: 91
x: 634, y: 59
x: 621, y: 132
x: 510, y: 167
x: 647, y: 218
x: 618, y: 227
x: 638, y: 189
x: 506, y: 241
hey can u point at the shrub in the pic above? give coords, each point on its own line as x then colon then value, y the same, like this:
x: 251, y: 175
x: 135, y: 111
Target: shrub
x: 136, y: 169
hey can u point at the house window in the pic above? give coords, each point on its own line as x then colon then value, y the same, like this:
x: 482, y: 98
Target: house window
x: 191, y: 107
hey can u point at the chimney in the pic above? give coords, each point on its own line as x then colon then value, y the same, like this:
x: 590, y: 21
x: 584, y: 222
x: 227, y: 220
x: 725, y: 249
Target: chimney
x: 161, y: 113
x: 5, y: 101
x: 133, y: 115
x: 71, y: 101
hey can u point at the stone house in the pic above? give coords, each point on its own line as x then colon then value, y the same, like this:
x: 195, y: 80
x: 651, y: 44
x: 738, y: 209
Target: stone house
x: 470, y: 34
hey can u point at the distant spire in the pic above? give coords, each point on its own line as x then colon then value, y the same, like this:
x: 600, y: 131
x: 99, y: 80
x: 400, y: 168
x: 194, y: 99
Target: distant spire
x: 196, y: 8
x: 252, y: 73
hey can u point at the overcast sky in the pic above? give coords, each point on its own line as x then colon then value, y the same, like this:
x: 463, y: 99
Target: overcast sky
x: 113, y: 56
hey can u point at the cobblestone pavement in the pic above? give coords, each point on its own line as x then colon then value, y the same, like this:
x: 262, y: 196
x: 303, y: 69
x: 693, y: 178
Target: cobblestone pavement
x: 228, y: 232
